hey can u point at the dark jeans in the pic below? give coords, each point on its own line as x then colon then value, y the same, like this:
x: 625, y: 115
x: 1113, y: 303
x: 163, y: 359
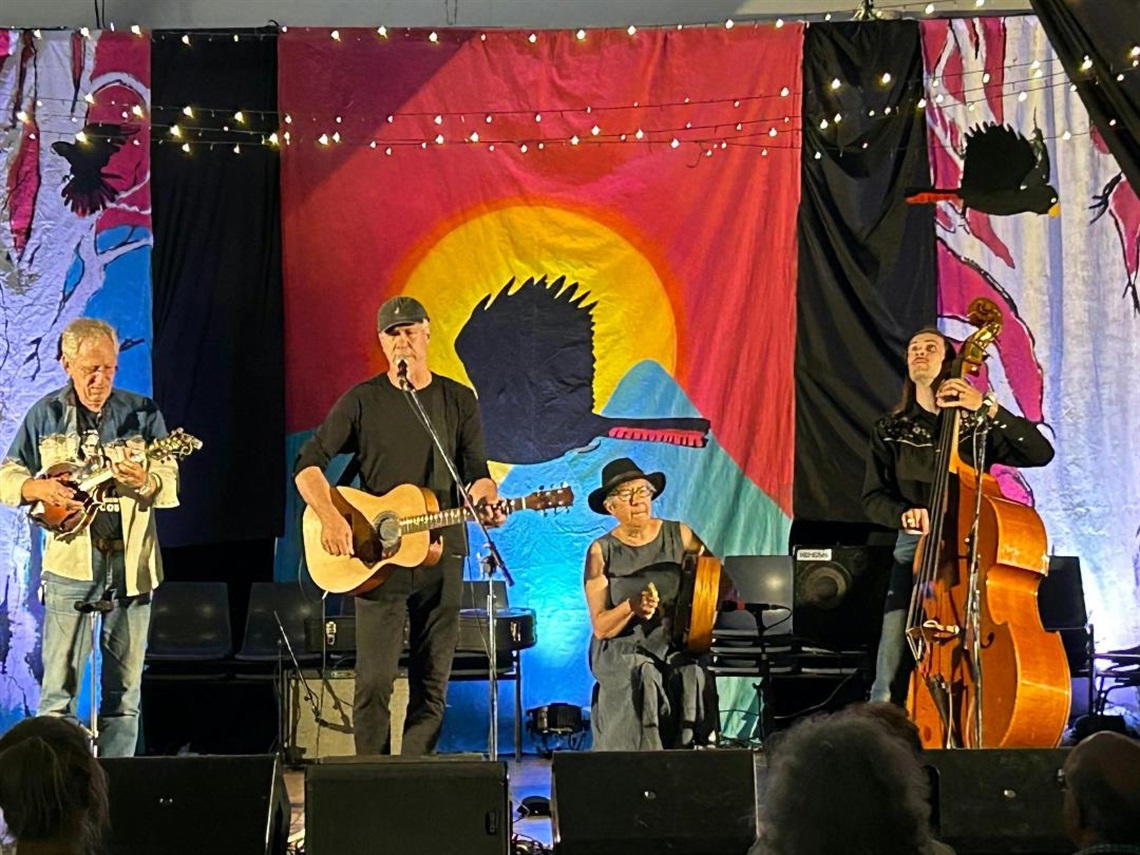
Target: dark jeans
x: 893, y: 662
x: 430, y: 597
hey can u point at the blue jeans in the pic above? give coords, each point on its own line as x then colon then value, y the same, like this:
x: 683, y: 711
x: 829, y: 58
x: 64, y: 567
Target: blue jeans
x: 892, y: 640
x: 122, y: 645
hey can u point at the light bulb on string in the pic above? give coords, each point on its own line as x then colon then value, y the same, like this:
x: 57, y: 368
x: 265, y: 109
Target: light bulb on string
x: 136, y: 29
x: 538, y: 117
x: 729, y: 24
x: 929, y: 9
x: 1119, y: 77
x: 938, y: 98
x: 338, y: 120
x: 921, y: 103
x: 622, y: 137
x: 739, y: 126
x: 423, y: 145
x: 541, y: 146
x: 827, y: 17
x: 80, y: 136
x: 175, y: 131
x: 639, y: 133
x: 382, y: 32
x: 237, y: 149
x: 763, y: 152
x: 335, y: 35
x: 523, y: 148
x: 236, y: 37
x: 491, y: 147
x: 581, y: 34
x: 886, y: 111
x: 188, y: 111
x: 1086, y: 64
x: 439, y: 139
x: 779, y: 23
x: 137, y: 110
x: 288, y: 138
x: 1035, y: 64
x: 288, y: 119
x: 239, y: 117
x: 438, y: 120
x: 595, y: 130
x: 837, y: 118
x: 1066, y: 136
x: 21, y: 116
x: 1021, y: 96
x: 772, y: 131
x: 823, y: 123
x: 186, y: 39
x: 574, y: 140
x: 186, y: 147
x: 532, y: 38
x: 688, y: 126
x: 784, y: 92
x: 336, y: 136
x: 675, y: 143
x: 979, y: 3
x: 836, y: 83
x: 818, y: 156
x: 433, y: 37
x: 388, y: 151
x: 488, y: 119
x: 86, y: 33
x: 273, y: 138
x: 1135, y: 51
x: 37, y: 34
x: 474, y: 136
x: 632, y: 30
x: 372, y: 144
x: 985, y: 77
x: 323, y: 139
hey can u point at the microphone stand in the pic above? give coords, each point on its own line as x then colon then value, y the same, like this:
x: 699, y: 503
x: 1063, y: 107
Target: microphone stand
x: 94, y: 609
x: 493, y: 561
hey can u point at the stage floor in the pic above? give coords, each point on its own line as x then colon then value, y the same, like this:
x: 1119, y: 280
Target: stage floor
x: 528, y: 777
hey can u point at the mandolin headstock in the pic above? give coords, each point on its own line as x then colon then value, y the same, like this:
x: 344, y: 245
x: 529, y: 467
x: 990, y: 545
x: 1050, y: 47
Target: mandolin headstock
x: 176, y: 444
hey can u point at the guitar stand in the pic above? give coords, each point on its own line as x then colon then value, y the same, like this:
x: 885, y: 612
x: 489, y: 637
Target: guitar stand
x: 94, y: 609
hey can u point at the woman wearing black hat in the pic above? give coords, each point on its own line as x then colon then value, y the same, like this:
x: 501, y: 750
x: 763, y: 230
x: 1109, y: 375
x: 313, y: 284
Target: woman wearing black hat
x: 648, y: 695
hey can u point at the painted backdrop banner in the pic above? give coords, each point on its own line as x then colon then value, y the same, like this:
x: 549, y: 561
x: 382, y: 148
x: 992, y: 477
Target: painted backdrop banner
x: 1067, y: 355
x: 603, y: 232
x: 75, y: 239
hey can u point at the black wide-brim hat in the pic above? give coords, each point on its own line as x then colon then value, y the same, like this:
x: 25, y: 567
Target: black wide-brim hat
x: 617, y: 472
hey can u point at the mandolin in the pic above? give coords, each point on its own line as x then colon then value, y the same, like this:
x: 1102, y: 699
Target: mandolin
x: 92, y: 485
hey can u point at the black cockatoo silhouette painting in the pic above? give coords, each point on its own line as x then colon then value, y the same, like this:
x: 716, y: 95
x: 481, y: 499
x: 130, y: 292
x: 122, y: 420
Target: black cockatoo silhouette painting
x: 1002, y: 173
x: 87, y: 190
x: 530, y: 355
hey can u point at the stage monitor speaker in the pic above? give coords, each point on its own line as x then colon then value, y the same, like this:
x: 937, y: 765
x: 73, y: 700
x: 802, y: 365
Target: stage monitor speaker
x: 637, y: 803
x: 998, y: 800
x: 839, y: 594
x: 193, y: 804
x: 333, y: 736
x: 407, y: 806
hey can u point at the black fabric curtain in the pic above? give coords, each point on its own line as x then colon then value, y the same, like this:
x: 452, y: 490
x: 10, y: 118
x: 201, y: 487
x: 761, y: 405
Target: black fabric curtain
x: 1105, y: 31
x: 218, y: 326
x: 866, y: 258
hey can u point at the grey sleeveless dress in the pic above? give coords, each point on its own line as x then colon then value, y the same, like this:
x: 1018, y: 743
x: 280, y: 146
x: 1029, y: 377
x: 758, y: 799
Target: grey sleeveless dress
x: 648, y: 694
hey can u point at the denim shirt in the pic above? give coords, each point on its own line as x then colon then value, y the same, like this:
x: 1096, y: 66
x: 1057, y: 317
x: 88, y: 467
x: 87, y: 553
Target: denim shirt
x: 49, y: 435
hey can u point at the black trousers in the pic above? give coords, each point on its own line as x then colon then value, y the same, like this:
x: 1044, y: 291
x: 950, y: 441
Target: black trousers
x: 429, y: 597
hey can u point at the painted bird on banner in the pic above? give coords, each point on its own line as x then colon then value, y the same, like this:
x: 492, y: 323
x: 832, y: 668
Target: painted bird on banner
x: 530, y: 355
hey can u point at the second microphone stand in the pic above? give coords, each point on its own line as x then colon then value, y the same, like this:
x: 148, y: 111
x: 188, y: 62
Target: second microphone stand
x: 492, y: 562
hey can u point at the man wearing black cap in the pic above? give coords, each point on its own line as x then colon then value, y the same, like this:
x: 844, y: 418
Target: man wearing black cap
x: 376, y: 423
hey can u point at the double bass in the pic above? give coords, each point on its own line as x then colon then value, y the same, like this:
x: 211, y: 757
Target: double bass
x: 987, y: 674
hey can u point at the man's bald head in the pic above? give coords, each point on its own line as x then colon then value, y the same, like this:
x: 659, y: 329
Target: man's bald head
x: 1102, y: 804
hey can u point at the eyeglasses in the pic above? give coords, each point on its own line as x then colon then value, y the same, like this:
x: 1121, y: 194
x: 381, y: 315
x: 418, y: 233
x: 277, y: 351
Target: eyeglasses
x: 634, y: 493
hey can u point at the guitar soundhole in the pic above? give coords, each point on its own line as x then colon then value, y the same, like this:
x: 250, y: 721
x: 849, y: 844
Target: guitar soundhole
x: 387, y: 527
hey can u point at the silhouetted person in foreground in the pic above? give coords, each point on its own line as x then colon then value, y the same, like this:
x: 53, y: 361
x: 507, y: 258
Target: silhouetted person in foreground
x: 1102, y: 794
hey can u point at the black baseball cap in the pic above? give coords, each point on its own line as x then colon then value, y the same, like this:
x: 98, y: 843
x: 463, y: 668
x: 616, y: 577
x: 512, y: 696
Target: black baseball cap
x: 399, y: 311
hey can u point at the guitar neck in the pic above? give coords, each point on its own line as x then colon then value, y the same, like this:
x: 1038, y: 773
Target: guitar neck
x: 156, y: 454
x: 452, y: 516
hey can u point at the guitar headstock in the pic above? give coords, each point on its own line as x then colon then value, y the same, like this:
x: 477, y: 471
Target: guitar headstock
x: 176, y: 444
x: 545, y: 500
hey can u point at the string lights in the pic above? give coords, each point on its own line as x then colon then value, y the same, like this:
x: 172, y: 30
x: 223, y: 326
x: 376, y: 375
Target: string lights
x: 654, y: 123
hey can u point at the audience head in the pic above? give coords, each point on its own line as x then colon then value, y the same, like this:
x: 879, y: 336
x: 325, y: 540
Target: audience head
x: 844, y: 783
x: 1102, y: 791
x: 894, y: 718
x: 52, y: 790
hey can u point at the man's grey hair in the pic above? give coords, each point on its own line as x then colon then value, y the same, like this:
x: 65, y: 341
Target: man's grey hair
x: 843, y: 783
x: 84, y: 329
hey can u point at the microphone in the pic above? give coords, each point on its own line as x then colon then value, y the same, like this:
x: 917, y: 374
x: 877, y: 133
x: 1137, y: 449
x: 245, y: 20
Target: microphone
x: 732, y: 606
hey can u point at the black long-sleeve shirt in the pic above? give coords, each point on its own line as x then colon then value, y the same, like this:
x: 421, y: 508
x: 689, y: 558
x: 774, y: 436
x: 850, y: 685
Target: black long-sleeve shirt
x: 901, y: 461
x: 375, y: 422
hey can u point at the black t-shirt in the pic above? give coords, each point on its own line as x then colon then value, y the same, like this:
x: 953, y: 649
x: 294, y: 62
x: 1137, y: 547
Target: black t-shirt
x: 106, y: 524
x: 376, y: 423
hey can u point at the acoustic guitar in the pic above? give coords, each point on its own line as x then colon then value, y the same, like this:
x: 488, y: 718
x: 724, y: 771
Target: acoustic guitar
x: 394, y: 530
x: 92, y: 485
